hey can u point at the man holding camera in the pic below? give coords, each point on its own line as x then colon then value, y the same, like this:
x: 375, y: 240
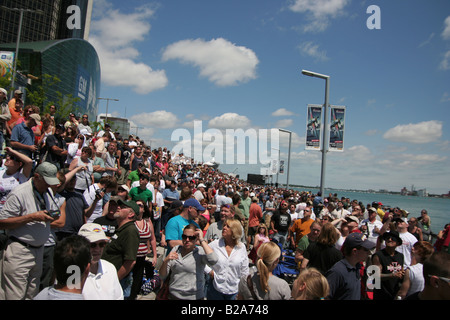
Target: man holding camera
x: 27, y: 214
x: 95, y: 193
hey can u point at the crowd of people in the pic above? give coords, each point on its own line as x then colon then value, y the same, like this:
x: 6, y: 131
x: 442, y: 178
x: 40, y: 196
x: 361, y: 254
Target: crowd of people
x: 74, y: 196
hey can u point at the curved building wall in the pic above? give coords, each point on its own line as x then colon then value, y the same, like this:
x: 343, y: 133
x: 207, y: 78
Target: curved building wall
x: 75, y: 62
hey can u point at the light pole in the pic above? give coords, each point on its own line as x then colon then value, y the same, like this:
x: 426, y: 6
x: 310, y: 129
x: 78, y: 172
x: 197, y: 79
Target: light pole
x: 107, y: 103
x: 289, y: 156
x: 19, y: 32
x: 325, y: 124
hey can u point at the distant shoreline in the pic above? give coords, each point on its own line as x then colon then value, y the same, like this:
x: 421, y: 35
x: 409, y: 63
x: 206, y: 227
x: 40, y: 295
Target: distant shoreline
x: 444, y: 196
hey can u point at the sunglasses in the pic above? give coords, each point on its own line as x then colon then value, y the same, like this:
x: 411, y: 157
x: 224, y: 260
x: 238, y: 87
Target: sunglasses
x: 190, y: 238
x: 11, y: 157
x: 98, y: 244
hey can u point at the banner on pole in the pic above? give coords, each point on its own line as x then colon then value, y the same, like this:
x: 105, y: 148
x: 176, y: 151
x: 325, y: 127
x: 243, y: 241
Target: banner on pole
x: 337, y: 128
x: 6, y: 64
x: 274, y: 167
x: 313, y: 127
x: 281, y: 171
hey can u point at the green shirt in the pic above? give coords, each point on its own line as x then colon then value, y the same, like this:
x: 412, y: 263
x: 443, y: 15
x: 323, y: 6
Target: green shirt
x: 245, y: 206
x: 123, y: 246
x: 138, y: 194
x: 303, y: 244
x: 133, y: 176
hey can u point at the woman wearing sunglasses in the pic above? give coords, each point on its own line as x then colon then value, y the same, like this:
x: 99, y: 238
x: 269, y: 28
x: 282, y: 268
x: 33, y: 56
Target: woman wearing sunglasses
x: 186, y: 264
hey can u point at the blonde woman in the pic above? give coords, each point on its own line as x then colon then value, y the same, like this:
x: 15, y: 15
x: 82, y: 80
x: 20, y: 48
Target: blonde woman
x: 232, y: 263
x: 310, y: 285
x: 262, y: 284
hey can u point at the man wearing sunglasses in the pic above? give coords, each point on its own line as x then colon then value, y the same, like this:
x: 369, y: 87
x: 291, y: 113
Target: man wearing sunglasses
x: 102, y: 282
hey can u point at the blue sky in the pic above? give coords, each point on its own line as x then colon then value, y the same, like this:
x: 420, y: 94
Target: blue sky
x: 237, y: 64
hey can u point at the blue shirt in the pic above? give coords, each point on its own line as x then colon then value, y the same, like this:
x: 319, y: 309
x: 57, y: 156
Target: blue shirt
x: 24, y: 135
x: 174, y: 229
x: 345, y: 281
x: 168, y: 193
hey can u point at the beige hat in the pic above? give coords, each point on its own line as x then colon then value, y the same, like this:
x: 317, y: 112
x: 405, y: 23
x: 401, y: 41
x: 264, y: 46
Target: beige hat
x: 93, y: 232
x: 35, y: 117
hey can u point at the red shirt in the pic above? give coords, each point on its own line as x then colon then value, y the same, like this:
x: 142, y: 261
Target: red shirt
x: 255, y: 215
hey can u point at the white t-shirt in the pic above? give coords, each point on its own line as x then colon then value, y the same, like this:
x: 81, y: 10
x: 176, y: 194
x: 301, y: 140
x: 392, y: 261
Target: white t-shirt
x: 8, y: 183
x: 89, y: 195
x: 220, y: 200
x: 198, y: 195
x: 371, y: 227
x: 408, y: 242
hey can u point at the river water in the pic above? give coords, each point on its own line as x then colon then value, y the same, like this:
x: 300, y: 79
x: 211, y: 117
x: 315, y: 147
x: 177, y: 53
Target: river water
x: 438, y: 208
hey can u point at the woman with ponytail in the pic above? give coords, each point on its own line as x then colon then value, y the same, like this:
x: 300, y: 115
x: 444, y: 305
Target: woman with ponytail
x: 262, y: 284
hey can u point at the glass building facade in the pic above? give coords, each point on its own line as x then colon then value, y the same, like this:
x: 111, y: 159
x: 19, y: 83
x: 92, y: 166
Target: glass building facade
x: 73, y: 61
x: 44, y: 20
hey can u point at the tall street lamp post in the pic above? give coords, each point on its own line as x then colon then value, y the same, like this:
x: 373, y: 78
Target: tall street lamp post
x: 107, y: 103
x: 325, y: 124
x: 289, y: 156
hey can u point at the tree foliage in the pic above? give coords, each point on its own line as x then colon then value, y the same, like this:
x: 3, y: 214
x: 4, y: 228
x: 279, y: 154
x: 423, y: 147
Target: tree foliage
x: 65, y: 104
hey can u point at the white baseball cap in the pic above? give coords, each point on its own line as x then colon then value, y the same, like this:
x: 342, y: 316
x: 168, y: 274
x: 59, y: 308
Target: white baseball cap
x: 93, y: 232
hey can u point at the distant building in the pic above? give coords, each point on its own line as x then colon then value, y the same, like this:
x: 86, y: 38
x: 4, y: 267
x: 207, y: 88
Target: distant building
x: 414, y: 192
x: 53, y: 42
x: 404, y: 191
x: 56, y: 20
x: 422, y: 193
x: 74, y: 61
x: 117, y: 124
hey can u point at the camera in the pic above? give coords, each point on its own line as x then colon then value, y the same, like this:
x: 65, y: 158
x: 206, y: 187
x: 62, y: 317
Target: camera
x: 98, y: 192
x: 54, y: 213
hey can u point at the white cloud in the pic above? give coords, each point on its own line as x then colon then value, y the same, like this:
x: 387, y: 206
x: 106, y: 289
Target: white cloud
x: 282, y: 112
x: 114, y: 34
x: 446, y: 33
x: 423, y: 132
x: 406, y: 160
x: 219, y: 60
x: 229, y: 121
x: 358, y: 154
x: 296, y: 140
x: 312, y: 50
x: 430, y: 37
x: 157, y: 119
x: 445, y: 63
x: 371, y: 132
x: 284, y: 123
x: 319, y: 12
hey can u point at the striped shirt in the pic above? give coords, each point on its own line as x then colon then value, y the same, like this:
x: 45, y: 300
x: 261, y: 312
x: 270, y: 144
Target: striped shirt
x: 144, y: 235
